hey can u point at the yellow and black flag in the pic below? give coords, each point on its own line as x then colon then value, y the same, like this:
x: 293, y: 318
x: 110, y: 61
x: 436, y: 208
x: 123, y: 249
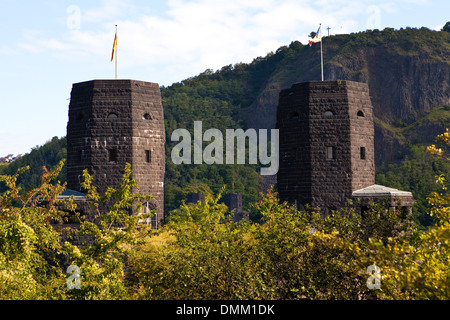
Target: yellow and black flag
x: 114, y: 46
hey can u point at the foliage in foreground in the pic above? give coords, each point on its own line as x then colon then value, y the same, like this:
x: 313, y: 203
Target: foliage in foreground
x: 34, y: 255
x: 200, y: 253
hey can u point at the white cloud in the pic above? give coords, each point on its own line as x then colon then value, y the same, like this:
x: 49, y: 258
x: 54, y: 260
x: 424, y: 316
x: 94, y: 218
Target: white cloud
x: 7, y: 50
x: 194, y: 35
x: 108, y: 11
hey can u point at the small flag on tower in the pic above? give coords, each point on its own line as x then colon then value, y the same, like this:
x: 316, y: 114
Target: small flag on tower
x: 114, y: 46
x: 317, y: 37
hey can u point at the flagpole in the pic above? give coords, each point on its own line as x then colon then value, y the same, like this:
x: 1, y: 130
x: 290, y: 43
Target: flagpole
x: 116, y: 53
x: 321, y: 54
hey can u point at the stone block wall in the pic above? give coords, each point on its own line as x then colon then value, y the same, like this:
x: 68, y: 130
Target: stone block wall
x: 233, y: 201
x: 362, y: 135
x: 326, y: 143
x: 194, y: 197
x: 114, y: 122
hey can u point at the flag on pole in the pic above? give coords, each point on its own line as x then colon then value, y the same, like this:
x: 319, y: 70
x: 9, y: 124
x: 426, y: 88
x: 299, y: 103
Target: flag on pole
x: 317, y: 37
x: 114, y: 46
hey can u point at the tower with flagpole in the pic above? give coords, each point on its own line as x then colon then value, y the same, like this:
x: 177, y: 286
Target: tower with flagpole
x: 108, y: 128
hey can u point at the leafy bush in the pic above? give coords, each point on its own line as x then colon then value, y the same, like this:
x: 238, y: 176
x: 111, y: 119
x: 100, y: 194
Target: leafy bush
x: 202, y: 254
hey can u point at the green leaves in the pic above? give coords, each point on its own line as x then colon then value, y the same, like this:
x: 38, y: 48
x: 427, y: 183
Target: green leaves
x: 417, y: 267
x: 109, y: 238
x: 200, y: 253
x: 28, y: 242
x: 33, y: 256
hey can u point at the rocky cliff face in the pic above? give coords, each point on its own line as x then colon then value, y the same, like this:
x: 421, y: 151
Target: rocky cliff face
x: 407, y: 71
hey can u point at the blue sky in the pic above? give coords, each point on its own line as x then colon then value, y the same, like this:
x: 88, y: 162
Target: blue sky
x: 49, y: 45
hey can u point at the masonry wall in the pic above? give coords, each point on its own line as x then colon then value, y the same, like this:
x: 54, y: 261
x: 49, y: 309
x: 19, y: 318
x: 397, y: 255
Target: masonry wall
x: 361, y: 135
x: 233, y: 201
x: 294, y: 174
x: 114, y: 122
x: 321, y: 137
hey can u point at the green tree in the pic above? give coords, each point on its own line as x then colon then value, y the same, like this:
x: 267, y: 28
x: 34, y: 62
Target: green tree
x: 33, y: 257
x: 108, y: 239
x: 48, y: 155
x: 30, y: 267
x: 417, y: 267
x: 201, y: 254
x: 311, y: 257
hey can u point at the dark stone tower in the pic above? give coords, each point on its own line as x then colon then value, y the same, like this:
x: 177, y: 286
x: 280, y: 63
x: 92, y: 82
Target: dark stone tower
x: 326, y: 143
x: 234, y: 203
x: 114, y: 122
x: 194, y: 197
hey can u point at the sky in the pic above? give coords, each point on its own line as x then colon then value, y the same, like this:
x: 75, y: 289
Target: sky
x: 48, y: 45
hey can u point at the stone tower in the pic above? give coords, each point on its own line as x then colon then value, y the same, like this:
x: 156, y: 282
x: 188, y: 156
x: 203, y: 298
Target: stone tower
x: 326, y: 143
x: 114, y: 122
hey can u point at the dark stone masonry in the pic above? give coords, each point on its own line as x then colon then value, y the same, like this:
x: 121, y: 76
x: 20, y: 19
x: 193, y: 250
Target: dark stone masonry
x: 326, y: 144
x: 114, y: 122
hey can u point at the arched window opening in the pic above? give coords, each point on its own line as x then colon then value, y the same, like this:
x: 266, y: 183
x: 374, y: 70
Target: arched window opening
x: 147, y: 116
x: 360, y: 113
x: 328, y: 113
x: 112, y: 115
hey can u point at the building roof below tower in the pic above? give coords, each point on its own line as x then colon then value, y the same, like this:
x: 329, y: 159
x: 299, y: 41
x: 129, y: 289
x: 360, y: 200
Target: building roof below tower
x: 378, y: 191
x: 69, y: 193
